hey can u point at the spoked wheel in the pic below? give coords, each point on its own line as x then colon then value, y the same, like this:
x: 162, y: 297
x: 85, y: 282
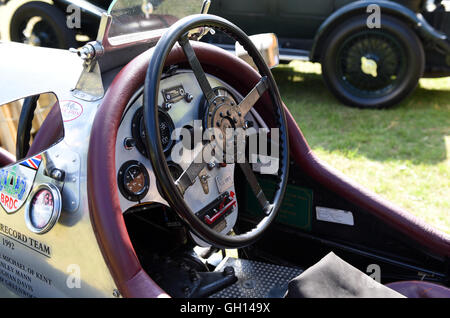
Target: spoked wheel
x: 40, y: 24
x: 372, y: 68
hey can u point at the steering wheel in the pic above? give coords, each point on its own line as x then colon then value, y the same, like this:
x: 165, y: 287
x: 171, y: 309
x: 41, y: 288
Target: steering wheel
x: 214, y: 119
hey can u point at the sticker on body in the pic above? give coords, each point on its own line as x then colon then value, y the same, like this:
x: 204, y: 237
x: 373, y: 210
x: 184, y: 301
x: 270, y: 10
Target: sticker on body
x: 16, y: 182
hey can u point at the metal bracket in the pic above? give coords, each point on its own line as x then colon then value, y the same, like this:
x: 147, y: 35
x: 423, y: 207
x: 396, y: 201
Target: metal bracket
x: 90, y: 85
x: 69, y: 162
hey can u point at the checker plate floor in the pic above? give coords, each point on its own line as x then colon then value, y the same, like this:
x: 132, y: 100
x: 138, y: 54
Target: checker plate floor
x: 257, y: 279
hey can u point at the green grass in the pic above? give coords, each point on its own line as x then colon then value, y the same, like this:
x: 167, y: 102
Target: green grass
x: 401, y: 153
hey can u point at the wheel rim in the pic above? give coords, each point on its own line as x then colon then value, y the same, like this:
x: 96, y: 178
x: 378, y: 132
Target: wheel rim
x: 371, y: 65
x: 38, y: 32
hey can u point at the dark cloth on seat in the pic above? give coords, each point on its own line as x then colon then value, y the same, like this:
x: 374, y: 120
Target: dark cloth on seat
x: 332, y: 277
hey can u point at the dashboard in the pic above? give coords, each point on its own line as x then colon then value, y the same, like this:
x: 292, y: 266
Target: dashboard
x: 181, y: 105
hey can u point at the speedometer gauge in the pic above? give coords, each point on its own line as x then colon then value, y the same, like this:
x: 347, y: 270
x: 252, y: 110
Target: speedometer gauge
x: 44, y: 208
x: 166, y: 127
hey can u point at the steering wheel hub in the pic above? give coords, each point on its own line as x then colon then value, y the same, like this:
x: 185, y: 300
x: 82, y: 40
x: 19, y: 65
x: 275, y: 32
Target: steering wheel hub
x: 222, y: 117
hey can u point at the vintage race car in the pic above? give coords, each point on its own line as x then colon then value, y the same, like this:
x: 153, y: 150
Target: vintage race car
x: 166, y: 166
x: 372, y: 52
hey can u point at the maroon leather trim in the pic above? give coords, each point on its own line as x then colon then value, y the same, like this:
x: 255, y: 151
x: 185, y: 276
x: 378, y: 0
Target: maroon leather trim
x: 6, y: 158
x: 104, y: 206
x: 420, y: 289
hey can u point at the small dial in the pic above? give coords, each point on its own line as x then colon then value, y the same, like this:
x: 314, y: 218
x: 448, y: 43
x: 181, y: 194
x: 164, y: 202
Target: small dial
x: 133, y: 180
x: 175, y: 170
x: 43, y: 209
x: 166, y: 127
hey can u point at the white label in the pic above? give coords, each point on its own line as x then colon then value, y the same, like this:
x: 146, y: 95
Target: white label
x: 334, y: 216
x: 224, y: 183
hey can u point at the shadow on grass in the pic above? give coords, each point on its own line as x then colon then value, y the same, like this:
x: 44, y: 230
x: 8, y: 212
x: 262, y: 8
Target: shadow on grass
x: 412, y: 131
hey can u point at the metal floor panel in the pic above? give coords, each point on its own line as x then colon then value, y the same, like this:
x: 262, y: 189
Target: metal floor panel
x: 256, y: 279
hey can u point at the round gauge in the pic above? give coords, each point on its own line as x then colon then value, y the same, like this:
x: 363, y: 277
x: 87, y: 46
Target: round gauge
x: 166, y: 127
x: 133, y: 180
x: 44, y: 208
x: 175, y: 170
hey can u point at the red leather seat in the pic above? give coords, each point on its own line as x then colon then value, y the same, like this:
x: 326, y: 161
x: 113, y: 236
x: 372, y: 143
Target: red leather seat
x: 420, y: 289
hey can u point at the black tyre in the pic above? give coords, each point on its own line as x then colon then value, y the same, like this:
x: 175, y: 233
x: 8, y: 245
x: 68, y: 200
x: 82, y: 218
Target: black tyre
x: 372, y: 68
x: 45, y: 25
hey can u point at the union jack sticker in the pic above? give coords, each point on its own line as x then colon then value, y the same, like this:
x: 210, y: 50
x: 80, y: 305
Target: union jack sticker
x: 33, y: 162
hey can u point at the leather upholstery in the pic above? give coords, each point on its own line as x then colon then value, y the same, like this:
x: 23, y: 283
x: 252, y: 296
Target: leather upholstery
x: 104, y: 206
x: 420, y: 289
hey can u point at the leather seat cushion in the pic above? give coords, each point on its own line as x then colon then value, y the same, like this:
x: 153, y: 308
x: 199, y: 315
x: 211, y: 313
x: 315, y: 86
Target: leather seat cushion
x: 420, y: 289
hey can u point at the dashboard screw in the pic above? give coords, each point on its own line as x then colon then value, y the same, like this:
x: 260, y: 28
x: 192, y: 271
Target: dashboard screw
x: 188, y: 97
x: 211, y: 165
x: 57, y: 174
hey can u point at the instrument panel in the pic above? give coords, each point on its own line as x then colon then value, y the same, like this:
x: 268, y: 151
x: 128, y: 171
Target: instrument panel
x: 181, y: 105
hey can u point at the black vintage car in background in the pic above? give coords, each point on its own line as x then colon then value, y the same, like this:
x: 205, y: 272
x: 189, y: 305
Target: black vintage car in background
x: 363, y: 66
x: 40, y: 23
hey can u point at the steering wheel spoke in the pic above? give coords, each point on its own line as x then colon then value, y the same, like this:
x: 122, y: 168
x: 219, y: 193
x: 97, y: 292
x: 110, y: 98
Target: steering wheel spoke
x: 189, y: 175
x: 256, y: 188
x: 250, y: 100
x: 197, y: 68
